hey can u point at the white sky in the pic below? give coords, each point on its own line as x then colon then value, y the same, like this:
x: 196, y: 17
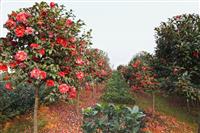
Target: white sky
x: 121, y: 29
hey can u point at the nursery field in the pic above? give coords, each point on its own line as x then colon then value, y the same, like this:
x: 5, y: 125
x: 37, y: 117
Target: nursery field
x: 53, y: 81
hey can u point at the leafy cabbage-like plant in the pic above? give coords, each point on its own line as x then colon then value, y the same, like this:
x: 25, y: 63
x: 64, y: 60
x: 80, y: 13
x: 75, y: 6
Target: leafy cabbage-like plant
x: 109, y: 118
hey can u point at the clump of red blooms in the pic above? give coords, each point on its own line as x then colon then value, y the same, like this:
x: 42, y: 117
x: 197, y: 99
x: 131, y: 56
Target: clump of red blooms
x: 142, y: 77
x: 46, y: 55
x: 21, y: 26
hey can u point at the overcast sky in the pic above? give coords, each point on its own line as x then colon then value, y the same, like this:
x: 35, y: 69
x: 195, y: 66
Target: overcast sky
x: 121, y: 29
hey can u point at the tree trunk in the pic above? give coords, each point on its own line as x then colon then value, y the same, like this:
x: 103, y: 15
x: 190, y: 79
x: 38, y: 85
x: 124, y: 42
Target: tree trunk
x: 35, y: 126
x: 153, y: 103
x: 199, y: 127
x: 77, y: 106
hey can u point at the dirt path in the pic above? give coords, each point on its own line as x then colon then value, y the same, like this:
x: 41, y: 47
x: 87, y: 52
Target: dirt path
x: 63, y: 117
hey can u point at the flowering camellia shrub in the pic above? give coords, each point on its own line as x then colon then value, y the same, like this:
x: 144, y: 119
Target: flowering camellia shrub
x: 98, y: 68
x: 140, y: 75
x: 178, y: 51
x: 44, y: 46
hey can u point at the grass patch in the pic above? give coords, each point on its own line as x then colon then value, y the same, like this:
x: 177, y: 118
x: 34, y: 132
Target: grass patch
x: 164, y: 106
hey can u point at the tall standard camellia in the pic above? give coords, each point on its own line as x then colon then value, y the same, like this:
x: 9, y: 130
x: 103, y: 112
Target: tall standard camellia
x: 44, y: 46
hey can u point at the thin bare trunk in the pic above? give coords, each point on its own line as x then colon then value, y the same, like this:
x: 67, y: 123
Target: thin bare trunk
x: 153, y: 103
x: 78, y: 100
x: 35, y: 129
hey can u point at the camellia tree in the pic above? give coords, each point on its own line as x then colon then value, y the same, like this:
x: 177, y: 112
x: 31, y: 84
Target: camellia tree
x: 44, y: 46
x: 140, y: 75
x: 98, y: 69
x: 178, y: 50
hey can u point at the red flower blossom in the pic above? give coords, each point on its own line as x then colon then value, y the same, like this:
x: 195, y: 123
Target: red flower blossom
x: 34, y: 45
x: 22, y: 65
x: 38, y: 74
x: 61, y: 74
x: 79, y: 61
x: 195, y: 54
x: 72, y: 39
x: 136, y: 63
x: 103, y: 73
x: 72, y: 93
x: 43, y: 74
x: 35, y: 59
x: 144, y: 68
x: 41, y: 51
x: 19, y: 31
x: 21, y: 56
x: 69, y: 22
x: 64, y: 88
x: 50, y: 83
x: 13, y: 64
x: 80, y: 75
x: 10, y: 24
x: 62, y: 41
x: 134, y: 88
x: 3, y: 67
x: 8, y: 86
x: 21, y: 17
x: 35, y: 73
x: 29, y: 30
x: 87, y: 86
x: 52, y: 4
x: 178, y: 17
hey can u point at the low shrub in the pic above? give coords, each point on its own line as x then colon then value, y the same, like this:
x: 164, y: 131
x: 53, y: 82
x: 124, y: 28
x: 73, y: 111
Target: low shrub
x: 109, y: 118
x: 17, y: 101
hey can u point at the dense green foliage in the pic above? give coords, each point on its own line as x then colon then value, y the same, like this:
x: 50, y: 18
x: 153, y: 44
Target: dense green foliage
x: 112, y: 119
x: 178, y: 55
x: 117, y: 90
x: 13, y: 103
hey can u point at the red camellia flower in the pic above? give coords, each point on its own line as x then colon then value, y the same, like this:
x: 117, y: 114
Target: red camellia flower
x: 13, y: 64
x: 69, y: 22
x: 21, y: 56
x: 80, y: 75
x: 62, y: 41
x: 10, y: 24
x: 43, y: 74
x: 61, y: 74
x: 79, y: 61
x: 195, y: 54
x: 41, y: 51
x: 72, y: 93
x: 34, y: 45
x: 135, y: 88
x: 29, y: 30
x: 136, y: 63
x: 50, y: 83
x: 8, y: 86
x: 64, y: 88
x: 19, y: 31
x: 178, y: 17
x: 87, y: 86
x: 3, y: 67
x: 72, y: 39
x: 52, y: 4
x: 21, y: 17
x: 38, y: 74
x: 35, y: 73
x: 144, y: 68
